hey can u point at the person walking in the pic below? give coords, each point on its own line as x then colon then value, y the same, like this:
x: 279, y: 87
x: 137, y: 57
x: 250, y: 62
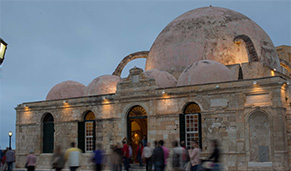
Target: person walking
x: 215, y: 156
x: 125, y: 154
x: 158, y: 159
x: 58, y: 159
x: 139, y: 152
x: 10, y: 158
x: 73, y: 156
x: 31, y: 161
x: 97, y: 158
x: 166, y: 152
x: 177, y: 158
x: 1, y: 157
x: 194, y: 155
x: 147, y: 154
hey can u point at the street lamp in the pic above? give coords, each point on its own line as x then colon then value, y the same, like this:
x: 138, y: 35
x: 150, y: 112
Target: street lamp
x: 3, y: 47
x: 10, y: 135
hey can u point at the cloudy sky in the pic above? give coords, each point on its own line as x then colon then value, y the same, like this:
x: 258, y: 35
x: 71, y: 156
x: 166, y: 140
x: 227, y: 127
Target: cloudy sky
x: 54, y: 41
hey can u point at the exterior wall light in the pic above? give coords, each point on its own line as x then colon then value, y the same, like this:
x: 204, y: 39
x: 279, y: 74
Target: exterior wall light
x: 254, y: 83
x: 287, y: 82
x: 217, y: 86
x: 64, y: 101
x: 3, y: 47
x: 274, y: 69
x: 163, y: 92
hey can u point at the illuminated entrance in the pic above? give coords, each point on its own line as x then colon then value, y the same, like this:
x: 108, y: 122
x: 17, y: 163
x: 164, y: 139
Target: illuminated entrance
x: 136, y: 127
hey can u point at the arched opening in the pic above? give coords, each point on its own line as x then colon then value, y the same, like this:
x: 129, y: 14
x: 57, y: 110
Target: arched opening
x: 86, y: 133
x: 137, y: 126
x: 259, y: 132
x: 190, y: 124
x: 48, y: 134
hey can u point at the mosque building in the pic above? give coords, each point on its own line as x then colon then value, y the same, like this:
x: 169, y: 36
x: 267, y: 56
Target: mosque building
x: 212, y: 73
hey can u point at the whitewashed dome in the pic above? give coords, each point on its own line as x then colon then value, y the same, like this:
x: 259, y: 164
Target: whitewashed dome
x: 163, y: 79
x: 205, y: 71
x: 105, y: 84
x: 66, y: 89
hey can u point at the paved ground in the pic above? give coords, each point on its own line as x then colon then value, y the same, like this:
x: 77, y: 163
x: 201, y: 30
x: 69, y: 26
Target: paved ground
x: 134, y: 167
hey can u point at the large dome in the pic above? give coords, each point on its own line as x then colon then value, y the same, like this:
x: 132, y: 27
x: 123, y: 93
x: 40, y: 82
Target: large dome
x: 105, y: 84
x: 209, y: 33
x: 66, y: 89
x: 163, y: 79
x: 203, y: 72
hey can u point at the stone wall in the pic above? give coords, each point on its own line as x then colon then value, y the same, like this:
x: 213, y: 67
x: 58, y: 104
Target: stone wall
x: 229, y: 114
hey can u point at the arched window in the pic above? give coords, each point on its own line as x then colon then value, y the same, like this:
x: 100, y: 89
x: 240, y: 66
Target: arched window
x: 48, y: 134
x: 190, y: 124
x: 86, y: 133
x: 89, y: 131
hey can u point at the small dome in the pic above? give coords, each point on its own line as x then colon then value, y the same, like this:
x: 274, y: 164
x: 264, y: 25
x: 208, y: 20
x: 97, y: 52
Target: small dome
x: 66, y: 89
x: 162, y: 78
x: 205, y: 71
x: 105, y: 84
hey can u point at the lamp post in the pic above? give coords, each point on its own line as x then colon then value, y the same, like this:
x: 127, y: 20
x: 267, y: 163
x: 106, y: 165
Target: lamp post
x: 10, y: 135
x: 3, y: 47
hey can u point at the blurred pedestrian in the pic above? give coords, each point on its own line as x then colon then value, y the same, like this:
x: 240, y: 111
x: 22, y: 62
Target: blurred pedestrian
x: 116, y: 158
x: 31, y: 161
x: 98, y: 157
x: 158, y: 159
x: 73, y: 156
x: 139, y: 152
x: 195, y: 156
x: 147, y: 154
x: 58, y: 159
x: 177, y: 158
x: 1, y: 161
x: 166, y: 152
x: 125, y: 154
x: 144, y: 140
x: 214, y: 157
x: 10, y: 158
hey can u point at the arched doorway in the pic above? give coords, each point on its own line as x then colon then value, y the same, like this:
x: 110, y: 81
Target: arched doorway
x: 137, y: 126
x: 48, y: 134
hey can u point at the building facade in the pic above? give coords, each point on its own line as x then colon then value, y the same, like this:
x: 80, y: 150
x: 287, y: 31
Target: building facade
x: 212, y: 73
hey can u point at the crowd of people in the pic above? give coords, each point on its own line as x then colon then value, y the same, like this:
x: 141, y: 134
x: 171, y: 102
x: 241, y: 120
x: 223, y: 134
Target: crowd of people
x: 156, y: 158
x: 160, y: 158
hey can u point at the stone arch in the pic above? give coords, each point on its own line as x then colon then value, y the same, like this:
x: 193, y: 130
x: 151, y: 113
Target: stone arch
x: 127, y: 59
x: 259, y: 131
x: 184, y: 104
x: 252, y: 53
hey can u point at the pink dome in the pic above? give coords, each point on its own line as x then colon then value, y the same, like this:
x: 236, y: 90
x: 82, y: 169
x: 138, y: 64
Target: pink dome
x: 209, y: 33
x: 205, y: 71
x: 66, y: 89
x: 162, y: 78
x: 105, y: 84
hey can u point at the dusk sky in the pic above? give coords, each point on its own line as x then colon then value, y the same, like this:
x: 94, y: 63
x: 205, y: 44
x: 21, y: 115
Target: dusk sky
x: 54, y: 41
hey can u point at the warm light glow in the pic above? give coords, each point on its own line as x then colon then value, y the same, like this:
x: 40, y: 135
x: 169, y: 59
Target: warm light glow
x: 238, y: 42
x: 10, y: 133
x: 2, y: 50
x: 66, y: 105
x: 272, y: 73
